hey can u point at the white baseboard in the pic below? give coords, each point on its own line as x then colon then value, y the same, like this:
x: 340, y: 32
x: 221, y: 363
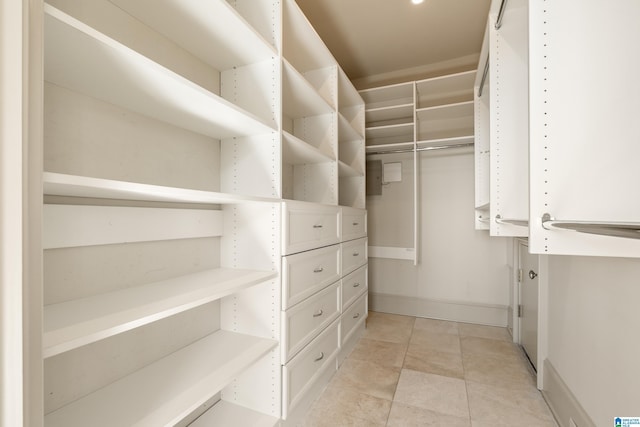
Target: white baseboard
x: 468, y: 312
x: 561, y: 400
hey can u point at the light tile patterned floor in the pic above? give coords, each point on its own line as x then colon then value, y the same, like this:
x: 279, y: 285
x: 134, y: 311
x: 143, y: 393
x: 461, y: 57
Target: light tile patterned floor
x: 409, y: 371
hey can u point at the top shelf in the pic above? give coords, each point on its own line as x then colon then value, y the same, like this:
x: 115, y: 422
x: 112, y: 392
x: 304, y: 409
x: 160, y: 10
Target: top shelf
x: 211, y: 30
x: 447, y: 89
x: 387, y: 96
x: 84, y: 60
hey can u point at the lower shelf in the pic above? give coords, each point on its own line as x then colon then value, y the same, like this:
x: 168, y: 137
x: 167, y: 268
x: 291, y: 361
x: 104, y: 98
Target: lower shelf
x: 165, y: 392
x: 225, y: 414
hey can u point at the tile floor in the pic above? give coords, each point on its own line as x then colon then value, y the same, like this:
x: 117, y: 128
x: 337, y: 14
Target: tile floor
x: 409, y: 371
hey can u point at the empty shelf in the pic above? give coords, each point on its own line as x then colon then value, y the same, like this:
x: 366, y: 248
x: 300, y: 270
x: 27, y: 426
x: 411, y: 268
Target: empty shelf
x: 296, y: 151
x: 225, y: 414
x: 346, y: 132
x: 385, y: 114
x: 300, y: 98
x: 390, y: 131
x: 443, y: 142
x: 344, y: 170
x: 446, y: 89
x: 75, y: 323
x: 211, y: 30
x: 166, y: 391
x: 57, y: 184
x: 84, y: 60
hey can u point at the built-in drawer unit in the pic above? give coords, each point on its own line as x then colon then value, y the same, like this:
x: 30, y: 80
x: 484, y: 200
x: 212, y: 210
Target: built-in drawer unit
x: 353, y: 285
x: 307, y: 319
x: 308, y: 226
x: 352, y: 317
x: 301, y: 372
x: 353, y: 223
x: 354, y: 254
x: 306, y: 273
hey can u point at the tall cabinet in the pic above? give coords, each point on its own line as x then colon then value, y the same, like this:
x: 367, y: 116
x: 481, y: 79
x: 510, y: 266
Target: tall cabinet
x: 192, y: 150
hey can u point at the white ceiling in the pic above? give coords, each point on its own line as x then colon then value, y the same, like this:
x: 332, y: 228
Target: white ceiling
x: 384, y: 40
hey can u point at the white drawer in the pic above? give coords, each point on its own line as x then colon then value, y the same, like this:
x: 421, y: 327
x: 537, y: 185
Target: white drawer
x: 353, y: 285
x: 352, y: 317
x: 307, y: 319
x: 354, y: 254
x: 306, y: 273
x: 353, y: 223
x: 308, y: 226
x: 301, y: 372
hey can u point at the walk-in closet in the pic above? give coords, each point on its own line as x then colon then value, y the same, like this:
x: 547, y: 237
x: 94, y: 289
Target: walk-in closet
x: 260, y: 213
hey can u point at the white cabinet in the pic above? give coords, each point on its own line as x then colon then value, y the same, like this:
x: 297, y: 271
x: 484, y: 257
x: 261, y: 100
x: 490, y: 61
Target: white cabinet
x: 306, y: 226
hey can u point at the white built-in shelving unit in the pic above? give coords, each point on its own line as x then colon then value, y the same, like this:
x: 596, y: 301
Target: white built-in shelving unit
x: 482, y: 148
x: 417, y: 116
x: 173, y: 132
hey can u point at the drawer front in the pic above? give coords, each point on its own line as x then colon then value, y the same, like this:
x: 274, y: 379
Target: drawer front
x: 306, y: 273
x: 353, y: 285
x: 300, y: 373
x: 354, y: 254
x: 353, y: 223
x: 309, y: 226
x: 352, y: 317
x: 307, y: 319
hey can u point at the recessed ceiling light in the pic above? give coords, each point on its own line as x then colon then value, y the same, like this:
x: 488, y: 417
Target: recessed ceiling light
x: 416, y: 1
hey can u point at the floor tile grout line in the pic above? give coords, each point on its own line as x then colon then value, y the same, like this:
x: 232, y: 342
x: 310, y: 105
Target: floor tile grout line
x: 404, y: 357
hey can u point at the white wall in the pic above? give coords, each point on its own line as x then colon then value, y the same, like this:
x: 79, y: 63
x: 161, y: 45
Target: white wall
x: 594, y: 342
x: 462, y: 274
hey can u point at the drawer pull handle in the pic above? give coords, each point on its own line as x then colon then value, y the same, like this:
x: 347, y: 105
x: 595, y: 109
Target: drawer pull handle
x: 317, y: 226
x: 356, y: 253
x: 355, y: 285
x: 355, y: 316
x: 318, y: 270
x: 318, y: 314
x: 355, y: 224
x: 319, y: 358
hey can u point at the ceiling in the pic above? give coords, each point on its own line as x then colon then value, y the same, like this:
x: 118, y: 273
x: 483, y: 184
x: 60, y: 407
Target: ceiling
x: 384, y: 41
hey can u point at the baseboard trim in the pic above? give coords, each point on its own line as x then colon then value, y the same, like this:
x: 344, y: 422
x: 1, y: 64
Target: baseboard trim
x: 457, y: 311
x: 561, y: 401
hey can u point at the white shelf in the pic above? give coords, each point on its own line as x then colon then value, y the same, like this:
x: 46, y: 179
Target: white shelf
x: 168, y: 390
x: 296, y: 151
x: 346, y: 132
x: 211, y: 30
x: 445, y: 89
x: 57, y: 184
x: 387, y: 96
x: 440, y: 142
x: 388, y: 131
x: 447, y: 111
x: 84, y: 60
x: 72, y: 324
x: 445, y: 121
x: 300, y: 98
x: 347, y: 94
x: 483, y: 207
x: 389, y: 147
x: 344, y: 170
x: 225, y: 414
x: 393, y: 112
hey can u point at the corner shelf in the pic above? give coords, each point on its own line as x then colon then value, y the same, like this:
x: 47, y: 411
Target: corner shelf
x: 449, y: 89
x: 344, y: 170
x: 84, y: 60
x: 75, y: 323
x: 168, y: 390
x: 300, y: 98
x: 296, y: 151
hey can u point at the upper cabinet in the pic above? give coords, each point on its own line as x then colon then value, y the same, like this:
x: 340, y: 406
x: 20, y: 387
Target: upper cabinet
x: 584, y: 109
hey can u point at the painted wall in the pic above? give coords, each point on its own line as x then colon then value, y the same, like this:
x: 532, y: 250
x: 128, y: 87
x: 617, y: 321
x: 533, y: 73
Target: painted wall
x: 594, y: 342
x: 460, y: 269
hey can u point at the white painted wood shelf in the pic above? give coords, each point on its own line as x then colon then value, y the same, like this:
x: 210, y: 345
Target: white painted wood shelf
x: 300, y: 98
x: 344, y: 170
x: 389, y: 147
x: 346, y: 132
x: 69, y: 325
x: 444, y: 142
x: 165, y: 392
x: 296, y: 151
x: 402, y: 112
x: 84, y: 60
x: 225, y: 414
x: 211, y: 30
x: 403, y: 132
x: 447, y: 89
x: 57, y: 184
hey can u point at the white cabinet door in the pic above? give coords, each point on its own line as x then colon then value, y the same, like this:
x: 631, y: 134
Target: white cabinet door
x: 584, y: 127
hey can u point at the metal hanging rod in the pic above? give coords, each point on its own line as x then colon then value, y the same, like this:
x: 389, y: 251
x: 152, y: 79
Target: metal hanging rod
x: 629, y: 230
x: 484, y: 77
x: 410, y: 150
x: 500, y: 14
x: 509, y: 221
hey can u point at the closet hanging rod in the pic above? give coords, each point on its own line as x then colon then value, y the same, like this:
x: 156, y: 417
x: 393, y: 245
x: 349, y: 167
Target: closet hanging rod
x: 410, y: 150
x: 510, y: 221
x: 630, y: 230
x: 500, y: 14
x: 484, y: 77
